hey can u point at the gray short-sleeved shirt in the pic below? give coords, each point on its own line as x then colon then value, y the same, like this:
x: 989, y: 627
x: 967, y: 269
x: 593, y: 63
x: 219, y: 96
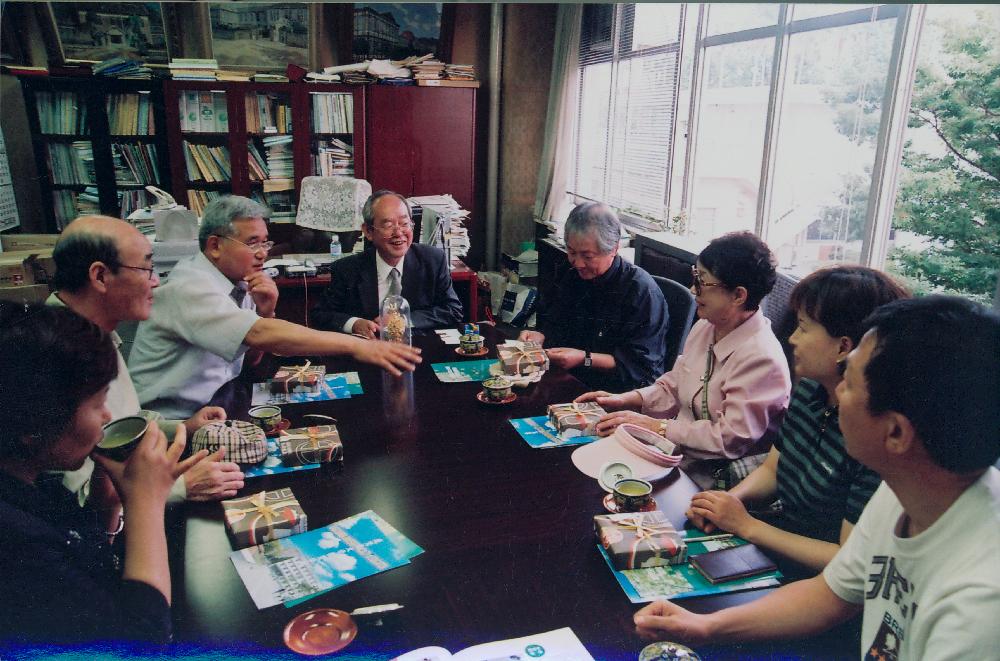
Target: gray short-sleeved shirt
x: 192, y: 343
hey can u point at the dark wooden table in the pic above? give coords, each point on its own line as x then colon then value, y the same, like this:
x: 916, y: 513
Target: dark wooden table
x: 507, y: 530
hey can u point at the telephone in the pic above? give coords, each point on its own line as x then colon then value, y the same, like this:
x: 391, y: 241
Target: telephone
x: 164, y: 200
x: 171, y: 221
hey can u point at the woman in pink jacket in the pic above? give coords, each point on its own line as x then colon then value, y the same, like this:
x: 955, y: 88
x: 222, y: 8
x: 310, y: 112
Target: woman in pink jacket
x: 727, y: 392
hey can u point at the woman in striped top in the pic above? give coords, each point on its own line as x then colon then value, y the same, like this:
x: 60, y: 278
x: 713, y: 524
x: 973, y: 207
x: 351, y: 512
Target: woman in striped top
x: 821, y: 489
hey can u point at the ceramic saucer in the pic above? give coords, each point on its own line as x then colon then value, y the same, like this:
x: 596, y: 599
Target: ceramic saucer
x: 481, y: 396
x: 320, y: 631
x: 481, y: 352
x: 611, y: 506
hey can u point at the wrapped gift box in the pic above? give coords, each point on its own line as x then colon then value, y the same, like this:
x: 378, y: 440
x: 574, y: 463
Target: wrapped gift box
x: 575, y: 419
x: 524, y: 360
x: 310, y: 445
x: 264, y: 517
x: 639, y: 540
x: 298, y: 378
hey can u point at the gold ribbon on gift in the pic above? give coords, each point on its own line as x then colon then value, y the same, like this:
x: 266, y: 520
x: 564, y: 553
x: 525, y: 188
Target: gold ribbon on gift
x: 530, y: 354
x: 573, y: 409
x: 261, y: 509
x: 301, y: 373
x: 313, y: 435
x: 647, y: 533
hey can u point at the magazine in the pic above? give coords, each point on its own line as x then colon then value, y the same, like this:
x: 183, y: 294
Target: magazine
x: 559, y: 645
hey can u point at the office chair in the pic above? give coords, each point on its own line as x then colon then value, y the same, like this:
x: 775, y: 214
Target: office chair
x: 680, y: 305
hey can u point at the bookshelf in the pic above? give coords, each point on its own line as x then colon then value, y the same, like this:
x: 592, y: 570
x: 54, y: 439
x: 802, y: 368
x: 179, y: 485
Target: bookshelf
x: 96, y: 144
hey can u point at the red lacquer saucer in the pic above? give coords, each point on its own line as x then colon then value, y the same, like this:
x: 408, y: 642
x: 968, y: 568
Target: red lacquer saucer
x: 481, y: 396
x: 611, y: 506
x: 320, y: 631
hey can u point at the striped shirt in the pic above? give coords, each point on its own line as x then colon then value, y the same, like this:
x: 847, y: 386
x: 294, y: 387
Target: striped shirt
x: 819, y: 484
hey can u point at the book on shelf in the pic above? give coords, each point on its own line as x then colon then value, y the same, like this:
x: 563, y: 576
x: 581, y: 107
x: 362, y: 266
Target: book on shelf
x: 447, y: 82
x: 71, y: 163
x: 205, y: 163
x: 333, y: 112
x: 135, y: 163
x: 61, y: 113
x: 203, y: 112
x: 130, y: 114
x: 221, y: 113
x: 206, y: 116
x: 266, y: 113
x: 197, y: 199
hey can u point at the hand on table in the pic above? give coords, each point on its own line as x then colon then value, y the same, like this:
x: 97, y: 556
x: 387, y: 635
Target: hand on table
x: 366, y: 328
x: 663, y: 620
x: 390, y: 356
x: 565, y: 357
x: 264, y: 292
x: 531, y: 336
x: 606, y: 400
x: 213, y: 479
x: 203, y: 416
x: 609, y: 422
x: 720, y: 509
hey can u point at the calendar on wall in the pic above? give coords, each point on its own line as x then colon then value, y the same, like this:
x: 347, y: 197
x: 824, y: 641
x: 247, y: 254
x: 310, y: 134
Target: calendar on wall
x: 8, y: 206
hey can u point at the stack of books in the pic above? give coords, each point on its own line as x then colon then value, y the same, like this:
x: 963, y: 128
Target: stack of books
x: 357, y: 78
x: 335, y: 158
x: 203, y: 112
x: 278, y: 152
x: 61, y: 113
x: 333, y: 113
x: 227, y: 75
x: 269, y: 78
x: 135, y: 163
x: 130, y: 114
x: 460, y: 72
x: 71, y: 164
x: 268, y: 114
x: 120, y: 67
x: 193, y: 68
x: 205, y: 163
x: 452, y: 75
x: 428, y: 70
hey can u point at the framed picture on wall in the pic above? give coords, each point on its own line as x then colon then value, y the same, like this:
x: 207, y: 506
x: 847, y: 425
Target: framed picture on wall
x: 91, y: 32
x: 395, y: 31
x: 261, y: 36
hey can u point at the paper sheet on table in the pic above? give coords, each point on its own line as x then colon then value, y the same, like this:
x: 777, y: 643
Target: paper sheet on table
x: 464, y: 371
x: 449, y: 335
x: 538, y: 432
x: 558, y: 645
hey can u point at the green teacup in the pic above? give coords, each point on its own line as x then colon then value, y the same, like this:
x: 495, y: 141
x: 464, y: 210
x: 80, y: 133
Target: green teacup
x: 497, y: 388
x: 471, y: 343
x: 633, y: 494
x: 121, y: 436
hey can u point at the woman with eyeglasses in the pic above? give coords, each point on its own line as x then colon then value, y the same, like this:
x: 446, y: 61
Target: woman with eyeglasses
x: 821, y: 489
x: 65, y: 581
x: 724, y: 398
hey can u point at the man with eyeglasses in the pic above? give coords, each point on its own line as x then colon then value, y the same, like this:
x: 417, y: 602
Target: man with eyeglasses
x: 393, y: 265
x: 104, y: 272
x: 217, y: 309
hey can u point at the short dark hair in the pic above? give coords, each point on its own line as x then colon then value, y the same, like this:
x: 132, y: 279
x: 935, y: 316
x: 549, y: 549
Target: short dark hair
x: 367, y: 212
x: 75, y: 252
x: 54, y: 360
x: 936, y: 361
x: 840, y: 297
x: 741, y: 259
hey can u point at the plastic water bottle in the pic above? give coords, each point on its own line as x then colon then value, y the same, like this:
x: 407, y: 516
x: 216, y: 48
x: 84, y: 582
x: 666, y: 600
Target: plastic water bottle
x: 335, y: 250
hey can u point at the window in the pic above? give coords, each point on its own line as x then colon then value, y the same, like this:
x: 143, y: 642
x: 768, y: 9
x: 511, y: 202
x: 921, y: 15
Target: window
x: 628, y: 97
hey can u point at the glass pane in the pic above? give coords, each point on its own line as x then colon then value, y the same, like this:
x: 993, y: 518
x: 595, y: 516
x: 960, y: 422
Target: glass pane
x: 654, y: 25
x: 592, y: 131
x: 946, y: 229
x: 737, y: 78
x: 725, y: 18
x: 811, y: 11
x: 826, y: 145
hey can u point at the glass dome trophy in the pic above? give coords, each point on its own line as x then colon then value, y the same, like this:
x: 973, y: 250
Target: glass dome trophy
x: 395, y: 316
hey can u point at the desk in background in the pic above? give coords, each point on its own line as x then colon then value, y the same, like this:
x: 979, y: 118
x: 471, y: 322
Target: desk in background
x: 507, y: 530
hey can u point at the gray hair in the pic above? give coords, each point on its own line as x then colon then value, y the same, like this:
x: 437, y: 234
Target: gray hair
x: 219, y: 214
x: 369, y: 215
x: 596, y: 218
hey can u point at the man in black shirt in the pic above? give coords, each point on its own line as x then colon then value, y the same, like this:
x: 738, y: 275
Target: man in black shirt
x: 606, y: 320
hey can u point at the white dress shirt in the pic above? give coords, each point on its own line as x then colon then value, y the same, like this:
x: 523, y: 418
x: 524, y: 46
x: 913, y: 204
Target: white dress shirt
x: 382, y: 271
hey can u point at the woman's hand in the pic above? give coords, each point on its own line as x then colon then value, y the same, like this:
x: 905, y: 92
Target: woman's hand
x: 607, y: 424
x: 721, y: 509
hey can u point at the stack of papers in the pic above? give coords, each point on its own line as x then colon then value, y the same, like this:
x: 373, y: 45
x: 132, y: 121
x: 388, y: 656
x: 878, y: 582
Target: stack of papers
x: 447, y: 226
x: 428, y: 69
x: 193, y: 68
x: 460, y: 72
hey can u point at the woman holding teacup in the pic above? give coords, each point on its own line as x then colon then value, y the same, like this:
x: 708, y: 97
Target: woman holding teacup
x: 726, y: 393
x: 822, y: 490
x: 64, y: 579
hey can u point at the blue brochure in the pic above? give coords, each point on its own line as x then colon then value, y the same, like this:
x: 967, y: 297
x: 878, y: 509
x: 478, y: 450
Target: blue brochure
x: 293, y: 569
x: 272, y: 464
x: 335, y: 386
x: 538, y: 432
x: 466, y: 370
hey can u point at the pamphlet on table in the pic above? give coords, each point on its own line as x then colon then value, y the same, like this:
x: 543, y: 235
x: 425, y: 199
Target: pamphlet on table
x: 463, y: 371
x: 292, y: 569
x: 335, y: 386
x: 559, y: 645
x: 538, y: 432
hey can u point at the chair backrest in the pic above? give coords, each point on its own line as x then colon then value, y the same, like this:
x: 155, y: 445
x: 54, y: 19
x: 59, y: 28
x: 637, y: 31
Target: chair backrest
x: 680, y: 305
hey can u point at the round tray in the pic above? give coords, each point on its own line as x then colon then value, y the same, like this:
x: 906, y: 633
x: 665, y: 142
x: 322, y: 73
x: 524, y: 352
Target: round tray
x: 320, y: 631
x: 481, y: 352
x: 481, y: 396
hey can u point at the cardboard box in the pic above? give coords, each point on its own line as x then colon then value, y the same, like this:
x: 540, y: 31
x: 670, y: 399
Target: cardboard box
x: 28, y: 294
x: 16, y: 242
x: 27, y: 267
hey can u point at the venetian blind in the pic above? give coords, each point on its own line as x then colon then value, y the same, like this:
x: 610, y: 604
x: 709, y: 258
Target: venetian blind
x: 629, y: 63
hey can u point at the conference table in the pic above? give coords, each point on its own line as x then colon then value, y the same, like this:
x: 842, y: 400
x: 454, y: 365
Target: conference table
x: 507, y: 530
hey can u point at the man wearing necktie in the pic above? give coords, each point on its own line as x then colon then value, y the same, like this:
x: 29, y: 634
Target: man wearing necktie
x: 392, y: 264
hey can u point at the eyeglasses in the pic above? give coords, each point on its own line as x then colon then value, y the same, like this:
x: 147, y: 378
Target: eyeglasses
x: 149, y: 271
x: 388, y: 229
x: 699, y: 281
x: 255, y: 247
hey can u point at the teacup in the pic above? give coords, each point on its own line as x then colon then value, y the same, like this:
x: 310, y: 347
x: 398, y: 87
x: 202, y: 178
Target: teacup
x: 497, y: 388
x: 121, y: 436
x: 633, y: 494
x: 471, y: 343
x: 268, y: 418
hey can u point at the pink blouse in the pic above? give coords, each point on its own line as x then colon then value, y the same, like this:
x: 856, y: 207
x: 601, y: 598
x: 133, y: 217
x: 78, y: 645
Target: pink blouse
x: 747, y: 392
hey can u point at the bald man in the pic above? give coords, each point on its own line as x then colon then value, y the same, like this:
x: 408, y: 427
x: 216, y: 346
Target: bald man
x: 104, y: 272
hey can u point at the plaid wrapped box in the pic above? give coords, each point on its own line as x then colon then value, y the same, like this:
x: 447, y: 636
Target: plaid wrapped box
x: 310, y: 445
x: 575, y: 418
x: 264, y: 517
x: 639, y: 540
x: 298, y: 378
x: 524, y: 360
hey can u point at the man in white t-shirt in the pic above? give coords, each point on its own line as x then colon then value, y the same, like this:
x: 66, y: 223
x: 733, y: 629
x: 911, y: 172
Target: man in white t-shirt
x: 919, y: 405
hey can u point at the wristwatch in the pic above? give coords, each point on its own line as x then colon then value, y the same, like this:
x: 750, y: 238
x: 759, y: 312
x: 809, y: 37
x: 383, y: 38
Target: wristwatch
x: 587, y: 361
